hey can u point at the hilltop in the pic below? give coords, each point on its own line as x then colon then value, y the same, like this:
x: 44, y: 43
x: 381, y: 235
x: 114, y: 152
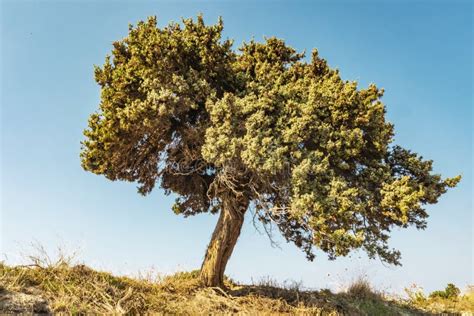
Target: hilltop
x: 62, y: 287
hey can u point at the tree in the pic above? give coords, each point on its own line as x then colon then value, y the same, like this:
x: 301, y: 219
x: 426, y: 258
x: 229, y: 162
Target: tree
x: 260, y: 129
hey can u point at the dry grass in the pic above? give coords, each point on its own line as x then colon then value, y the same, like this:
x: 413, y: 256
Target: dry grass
x: 362, y: 289
x: 460, y: 305
x: 77, y: 289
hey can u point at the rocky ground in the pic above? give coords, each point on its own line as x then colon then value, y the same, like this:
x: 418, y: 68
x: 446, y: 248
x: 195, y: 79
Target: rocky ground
x: 23, y: 303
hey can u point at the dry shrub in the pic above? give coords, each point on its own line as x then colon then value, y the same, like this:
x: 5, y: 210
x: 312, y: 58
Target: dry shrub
x: 362, y: 289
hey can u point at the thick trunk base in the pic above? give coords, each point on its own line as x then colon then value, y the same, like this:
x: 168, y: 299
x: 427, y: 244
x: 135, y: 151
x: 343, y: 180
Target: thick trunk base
x: 222, y: 243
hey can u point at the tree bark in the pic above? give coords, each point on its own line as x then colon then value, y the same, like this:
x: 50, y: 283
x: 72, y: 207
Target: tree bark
x: 222, y: 243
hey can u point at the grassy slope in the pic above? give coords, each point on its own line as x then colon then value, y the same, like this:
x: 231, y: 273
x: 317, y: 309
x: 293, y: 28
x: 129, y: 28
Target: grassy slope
x: 79, y: 289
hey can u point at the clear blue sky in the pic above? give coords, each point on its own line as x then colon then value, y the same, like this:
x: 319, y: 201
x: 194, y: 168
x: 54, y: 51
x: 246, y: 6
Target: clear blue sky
x: 420, y: 52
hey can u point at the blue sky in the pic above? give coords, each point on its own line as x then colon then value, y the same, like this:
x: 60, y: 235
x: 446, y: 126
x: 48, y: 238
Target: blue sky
x: 420, y: 52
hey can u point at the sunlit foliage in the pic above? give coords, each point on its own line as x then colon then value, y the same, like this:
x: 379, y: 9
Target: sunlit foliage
x: 309, y: 152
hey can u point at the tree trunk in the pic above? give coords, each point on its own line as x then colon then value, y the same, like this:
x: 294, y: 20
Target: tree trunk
x: 222, y: 243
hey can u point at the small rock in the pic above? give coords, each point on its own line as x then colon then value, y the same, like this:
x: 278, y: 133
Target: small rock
x: 21, y: 303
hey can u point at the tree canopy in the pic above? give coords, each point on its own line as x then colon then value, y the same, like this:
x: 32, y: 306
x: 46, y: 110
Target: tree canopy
x: 283, y: 134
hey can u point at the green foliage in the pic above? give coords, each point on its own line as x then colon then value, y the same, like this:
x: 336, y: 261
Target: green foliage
x: 447, y: 301
x: 310, y: 152
x: 450, y: 292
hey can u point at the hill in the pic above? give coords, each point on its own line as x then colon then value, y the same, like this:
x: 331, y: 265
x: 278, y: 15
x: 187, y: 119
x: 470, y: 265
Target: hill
x: 62, y: 287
